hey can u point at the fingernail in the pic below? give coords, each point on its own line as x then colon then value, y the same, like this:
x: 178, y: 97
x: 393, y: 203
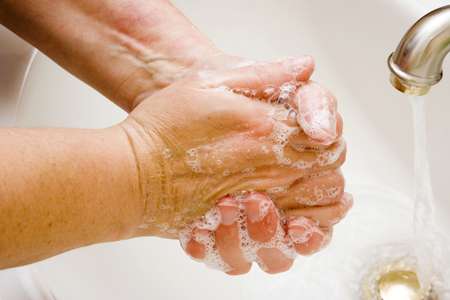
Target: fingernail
x: 300, y: 230
x: 252, y: 210
x: 299, y: 235
x: 256, y: 207
x: 323, y: 126
x: 296, y: 65
x: 349, y: 199
x: 228, y: 212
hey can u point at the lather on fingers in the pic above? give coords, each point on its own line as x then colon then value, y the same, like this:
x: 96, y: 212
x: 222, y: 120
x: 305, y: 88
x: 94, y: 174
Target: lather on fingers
x: 250, y: 230
x: 317, y: 113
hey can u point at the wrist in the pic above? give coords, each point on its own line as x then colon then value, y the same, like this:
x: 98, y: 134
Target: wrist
x: 126, y: 205
x: 147, y: 150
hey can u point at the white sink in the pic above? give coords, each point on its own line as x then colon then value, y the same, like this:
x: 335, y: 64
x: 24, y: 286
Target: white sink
x: 350, y: 41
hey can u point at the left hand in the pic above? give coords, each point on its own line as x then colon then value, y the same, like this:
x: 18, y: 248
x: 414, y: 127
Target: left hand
x: 241, y: 230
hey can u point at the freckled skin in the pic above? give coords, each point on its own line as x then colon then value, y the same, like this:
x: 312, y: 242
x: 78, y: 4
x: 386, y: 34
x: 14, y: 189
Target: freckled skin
x: 90, y: 186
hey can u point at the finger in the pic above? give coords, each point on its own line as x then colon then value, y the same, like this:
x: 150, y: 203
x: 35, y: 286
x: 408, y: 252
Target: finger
x: 310, y: 105
x: 262, y: 225
x: 270, y: 178
x: 317, y: 112
x: 325, y: 216
x: 302, y: 141
x: 308, y: 238
x: 227, y: 237
x: 263, y: 156
x: 339, y: 126
x: 195, y: 247
x: 259, y: 75
x: 316, y: 191
x: 273, y: 260
x: 315, y: 161
x: 262, y: 217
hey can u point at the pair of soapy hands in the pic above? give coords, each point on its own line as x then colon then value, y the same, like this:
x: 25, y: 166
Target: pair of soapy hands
x: 248, y: 158
x: 238, y: 159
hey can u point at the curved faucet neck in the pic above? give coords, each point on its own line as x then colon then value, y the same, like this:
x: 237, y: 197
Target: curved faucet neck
x: 416, y: 64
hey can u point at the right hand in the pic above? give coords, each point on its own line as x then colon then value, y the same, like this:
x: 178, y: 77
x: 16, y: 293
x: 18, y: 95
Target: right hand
x: 195, y: 143
x: 243, y: 234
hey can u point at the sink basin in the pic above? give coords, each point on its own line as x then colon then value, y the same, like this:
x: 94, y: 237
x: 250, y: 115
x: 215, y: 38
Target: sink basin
x: 350, y: 41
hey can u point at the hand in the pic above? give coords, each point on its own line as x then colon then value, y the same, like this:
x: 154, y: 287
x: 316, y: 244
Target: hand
x: 193, y: 141
x: 196, y: 141
x: 241, y: 230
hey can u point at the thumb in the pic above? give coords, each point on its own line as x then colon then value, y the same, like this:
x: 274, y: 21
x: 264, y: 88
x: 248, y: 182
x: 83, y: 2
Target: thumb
x: 317, y: 113
x: 259, y: 75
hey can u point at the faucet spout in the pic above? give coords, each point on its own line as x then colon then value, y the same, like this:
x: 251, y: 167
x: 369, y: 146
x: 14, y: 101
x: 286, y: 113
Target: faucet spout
x: 416, y: 64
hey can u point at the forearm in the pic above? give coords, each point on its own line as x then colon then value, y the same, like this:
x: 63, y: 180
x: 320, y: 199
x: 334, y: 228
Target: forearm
x: 121, y: 48
x: 62, y: 189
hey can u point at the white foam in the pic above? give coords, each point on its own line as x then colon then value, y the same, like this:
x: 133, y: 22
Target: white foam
x: 248, y: 247
x: 211, y: 220
x: 263, y: 209
x: 279, y: 154
x: 318, y: 193
x: 304, y: 200
x: 224, y: 88
x: 329, y: 156
x: 249, y: 170
x: 277, y: 189
x: 309, y: 229
x: 281, y: 133
x: 192, y: 160
x: 334, y: 191
x: 301, y: 164
x: 163, y: 227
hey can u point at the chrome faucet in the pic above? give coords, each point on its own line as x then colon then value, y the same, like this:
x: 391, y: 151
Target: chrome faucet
x: 416, y: 64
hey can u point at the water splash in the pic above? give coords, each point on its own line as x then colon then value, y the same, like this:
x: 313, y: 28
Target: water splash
x: 424, y: 242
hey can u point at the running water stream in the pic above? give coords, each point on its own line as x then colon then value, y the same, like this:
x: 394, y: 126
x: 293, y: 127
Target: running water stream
x: 424, y: 242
